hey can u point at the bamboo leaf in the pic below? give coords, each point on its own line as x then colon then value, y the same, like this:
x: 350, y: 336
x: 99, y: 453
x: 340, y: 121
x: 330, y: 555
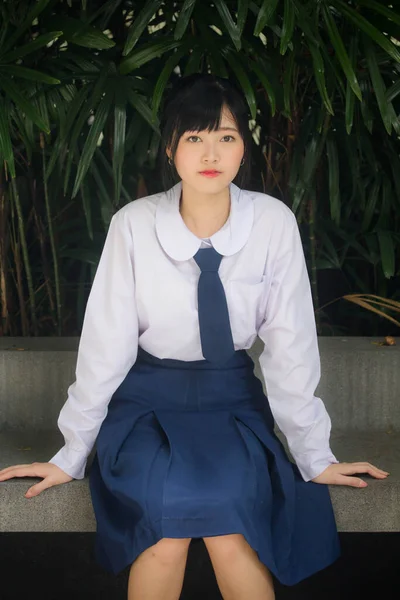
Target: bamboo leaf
x: 184, y: 17
x: 350, y: 96
x: 144, y: 110
x: 86, y: 208
x: 265, y: 14
x: 331, y: 251
x: 31, y: 16
x: 108, y: 168
x: 242, y: 12
x: 385, y: 220
x: 31, y: 47
x: 164, y: 76
x: 140, y: 23
x: 243, y: 80
x: 288, y: 83
x: 319, y: 73
x: 98, y: 92
x: 334, y: 178
x: 258, y: 70
x: 108, y: 8
x: 387, y: 253
x: 368, y: 117
x: 312, y: 157
x: 379, y: 86
x: 74, y: 108
x: 370, y: 208
x: 214, y: 54
x: 288, y: 25
x: 193, y: 65
x: 22, y: 103
x: 393, y: 91
x: 229, y: 23
x: 304, y: 22
x: 106, y: 206
x: 369, y: 29
x: 119, y: 142
x: 145, y: 54
x: 91, y: 142
x: 25, y: 73
x: 386, y: 12
x: 340, y: 50
x: 6, y: 150
x: 80, y: 33
x: 93, y: 39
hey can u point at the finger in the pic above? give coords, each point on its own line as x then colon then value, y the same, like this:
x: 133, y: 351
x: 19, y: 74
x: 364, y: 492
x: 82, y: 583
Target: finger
x: 12, y: 467
x: 35, y: 490
x: 350, y: 481
x: 28, y: 471
x: 352, y: 468
x: 367, y: 464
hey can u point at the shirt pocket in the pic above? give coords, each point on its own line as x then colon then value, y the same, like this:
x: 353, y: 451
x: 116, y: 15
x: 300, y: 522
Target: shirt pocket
x: 246, y: 303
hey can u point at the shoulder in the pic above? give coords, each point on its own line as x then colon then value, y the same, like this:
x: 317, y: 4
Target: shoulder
x: 270, y: 211
x: 138, y: 212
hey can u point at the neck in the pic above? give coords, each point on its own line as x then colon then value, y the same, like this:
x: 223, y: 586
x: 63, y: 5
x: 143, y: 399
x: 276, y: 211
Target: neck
x: 204, y: 214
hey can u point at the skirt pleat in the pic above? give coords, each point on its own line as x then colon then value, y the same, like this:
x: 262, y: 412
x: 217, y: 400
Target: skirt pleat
x: 188, y: 450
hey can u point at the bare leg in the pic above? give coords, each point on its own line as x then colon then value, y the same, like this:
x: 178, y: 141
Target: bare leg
x: 157, y: 573
x: 239, y: 572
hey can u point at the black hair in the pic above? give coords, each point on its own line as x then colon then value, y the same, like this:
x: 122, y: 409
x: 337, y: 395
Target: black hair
x: 195, y: 103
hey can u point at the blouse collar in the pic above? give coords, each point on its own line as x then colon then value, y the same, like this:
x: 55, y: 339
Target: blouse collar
x: 181, y: 244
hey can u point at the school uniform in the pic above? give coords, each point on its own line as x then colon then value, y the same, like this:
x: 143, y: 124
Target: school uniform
x: 185, y: 445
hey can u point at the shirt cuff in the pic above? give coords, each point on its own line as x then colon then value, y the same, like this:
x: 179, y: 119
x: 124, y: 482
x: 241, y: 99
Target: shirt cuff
x: 310, y: 469
x: 71, y: 461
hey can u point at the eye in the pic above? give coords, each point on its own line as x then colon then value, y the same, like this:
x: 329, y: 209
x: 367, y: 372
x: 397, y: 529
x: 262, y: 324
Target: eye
x: 228, y: 136
x: 191, y: 137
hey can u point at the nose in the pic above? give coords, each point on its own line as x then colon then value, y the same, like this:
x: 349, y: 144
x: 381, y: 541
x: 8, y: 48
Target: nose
x: 210, y: 154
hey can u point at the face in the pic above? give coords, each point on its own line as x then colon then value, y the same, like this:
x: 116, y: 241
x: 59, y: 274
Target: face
x: 199, y: 152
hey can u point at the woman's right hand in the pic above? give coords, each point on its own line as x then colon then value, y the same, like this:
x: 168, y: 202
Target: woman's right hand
x: 51, y: 474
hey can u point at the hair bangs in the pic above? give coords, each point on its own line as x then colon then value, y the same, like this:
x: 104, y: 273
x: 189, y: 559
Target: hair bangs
x: 198, y: 113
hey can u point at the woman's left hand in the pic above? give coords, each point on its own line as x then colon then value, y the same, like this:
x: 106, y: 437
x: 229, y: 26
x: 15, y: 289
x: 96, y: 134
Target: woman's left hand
x: 339, y: 474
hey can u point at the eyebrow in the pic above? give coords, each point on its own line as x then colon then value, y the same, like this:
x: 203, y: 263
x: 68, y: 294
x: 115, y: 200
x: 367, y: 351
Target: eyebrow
x: 227, y: 129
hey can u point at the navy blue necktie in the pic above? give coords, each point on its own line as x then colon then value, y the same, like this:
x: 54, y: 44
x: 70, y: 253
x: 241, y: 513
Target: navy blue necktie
x: 215, y: 329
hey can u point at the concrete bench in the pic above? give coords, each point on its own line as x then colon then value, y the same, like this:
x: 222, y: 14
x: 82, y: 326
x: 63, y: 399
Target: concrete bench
x: 360, y: 386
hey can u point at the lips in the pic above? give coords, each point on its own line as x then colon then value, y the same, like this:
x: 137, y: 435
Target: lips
x: 213, y: 172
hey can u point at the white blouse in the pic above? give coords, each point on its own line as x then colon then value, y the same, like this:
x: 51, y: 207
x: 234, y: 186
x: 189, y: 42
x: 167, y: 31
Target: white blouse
x: 145, y: 294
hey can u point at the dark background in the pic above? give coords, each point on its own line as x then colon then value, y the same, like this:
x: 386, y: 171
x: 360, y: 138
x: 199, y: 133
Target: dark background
x: 61, y: 566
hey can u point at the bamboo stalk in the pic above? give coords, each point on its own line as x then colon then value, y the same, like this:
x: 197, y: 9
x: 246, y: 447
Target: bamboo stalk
x: 5, y: 317
x: 46, y: 269
x: 25, y: 255
x: 313, y: 254
x: 52, y: 242
x: 20, y: 290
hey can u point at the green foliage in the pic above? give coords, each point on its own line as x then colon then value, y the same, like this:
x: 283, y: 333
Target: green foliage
x: 81, y: 86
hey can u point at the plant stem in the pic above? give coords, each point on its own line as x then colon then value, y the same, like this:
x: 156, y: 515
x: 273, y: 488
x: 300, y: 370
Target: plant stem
x: 313, y: 253
x: 25, y: 255
x: 52, y: 242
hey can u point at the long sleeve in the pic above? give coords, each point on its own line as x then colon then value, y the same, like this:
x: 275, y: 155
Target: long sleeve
x: 290, y: 362
x: 107, y: 350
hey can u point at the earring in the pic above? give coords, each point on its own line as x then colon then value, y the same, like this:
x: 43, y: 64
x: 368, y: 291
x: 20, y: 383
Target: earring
x: 242, y: 163
x: 170, y: 161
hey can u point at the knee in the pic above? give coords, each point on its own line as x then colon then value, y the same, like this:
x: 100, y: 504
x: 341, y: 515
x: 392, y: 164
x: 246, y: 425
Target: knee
x: 226, y: 546
x: 170, y: 550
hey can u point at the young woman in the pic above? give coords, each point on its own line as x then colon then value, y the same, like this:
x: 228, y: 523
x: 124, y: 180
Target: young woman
x: 185, y: 442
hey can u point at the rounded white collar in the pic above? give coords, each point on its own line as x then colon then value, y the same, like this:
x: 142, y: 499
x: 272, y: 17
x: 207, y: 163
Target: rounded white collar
x: 181, y: 244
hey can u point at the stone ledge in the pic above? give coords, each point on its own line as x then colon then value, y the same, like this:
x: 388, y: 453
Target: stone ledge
x: 68, y: 507
x: 359, y: 384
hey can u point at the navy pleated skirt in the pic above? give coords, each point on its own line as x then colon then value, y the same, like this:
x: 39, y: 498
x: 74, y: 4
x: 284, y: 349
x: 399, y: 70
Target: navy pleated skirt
x: 188, y: 450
